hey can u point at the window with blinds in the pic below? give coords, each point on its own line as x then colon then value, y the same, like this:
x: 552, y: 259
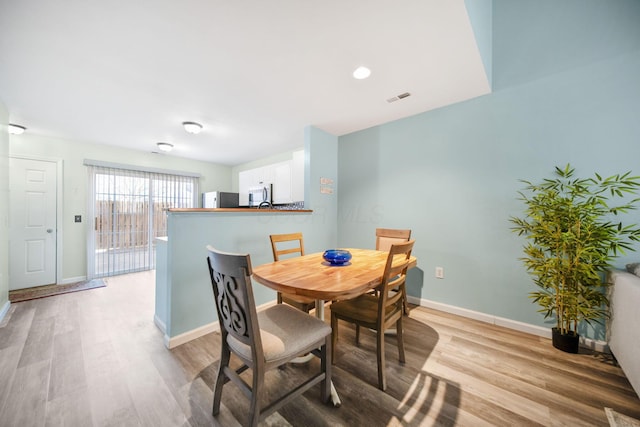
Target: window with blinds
x: 129, y: 212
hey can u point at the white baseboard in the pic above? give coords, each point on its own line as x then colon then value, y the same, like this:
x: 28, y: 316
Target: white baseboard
x: 4, y: 310
x: 541, y: 331
x: 602, y: 346
x: 171, y: 342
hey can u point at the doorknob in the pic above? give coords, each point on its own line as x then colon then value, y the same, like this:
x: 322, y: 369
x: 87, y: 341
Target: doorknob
x: 49, y: 230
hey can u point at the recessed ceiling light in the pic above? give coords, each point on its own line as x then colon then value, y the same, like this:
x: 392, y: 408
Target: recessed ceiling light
x: 165, y: 146
x: 361, y: 73
x: 192, y: 127
x: 16, y: 129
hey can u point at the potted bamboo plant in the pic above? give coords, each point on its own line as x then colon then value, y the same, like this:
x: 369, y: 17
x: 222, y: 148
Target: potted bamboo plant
x: 571, y: 239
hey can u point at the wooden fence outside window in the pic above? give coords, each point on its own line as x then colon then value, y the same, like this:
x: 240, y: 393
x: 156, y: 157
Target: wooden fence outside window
x: 125, y: 225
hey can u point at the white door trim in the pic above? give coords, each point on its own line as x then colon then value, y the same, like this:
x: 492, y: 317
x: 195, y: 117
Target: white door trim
x: 59, y: 207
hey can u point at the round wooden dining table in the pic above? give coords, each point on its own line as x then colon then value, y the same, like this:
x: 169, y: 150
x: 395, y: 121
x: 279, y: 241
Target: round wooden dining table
x: 312, y: 276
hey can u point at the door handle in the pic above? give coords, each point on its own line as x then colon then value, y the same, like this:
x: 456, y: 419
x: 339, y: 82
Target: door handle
x: 49, y: 230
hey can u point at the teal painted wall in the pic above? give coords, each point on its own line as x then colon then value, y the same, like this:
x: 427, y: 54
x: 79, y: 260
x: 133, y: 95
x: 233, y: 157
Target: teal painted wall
x: 321, y: 162
x: 191, y: 305
x: 534, y: 39
x: 480, y: 15
x: 451, y: 175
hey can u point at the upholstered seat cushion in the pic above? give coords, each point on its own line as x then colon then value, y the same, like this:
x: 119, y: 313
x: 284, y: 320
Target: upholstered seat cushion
x: 285, y: 332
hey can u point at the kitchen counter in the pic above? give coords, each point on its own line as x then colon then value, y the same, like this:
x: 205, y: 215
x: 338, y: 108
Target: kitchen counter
x: 184, y: 298
x: 237, y: 210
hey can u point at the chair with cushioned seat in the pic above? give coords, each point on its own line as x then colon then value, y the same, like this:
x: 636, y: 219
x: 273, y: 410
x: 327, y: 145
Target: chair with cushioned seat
x: 262, y: 340
x: 381, y: 310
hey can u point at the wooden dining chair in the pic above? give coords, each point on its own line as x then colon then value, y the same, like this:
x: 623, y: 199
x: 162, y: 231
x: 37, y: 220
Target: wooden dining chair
x: 285, y: 245
x: 380, y: 311
x: 385, y: 237
x: 262, y: 340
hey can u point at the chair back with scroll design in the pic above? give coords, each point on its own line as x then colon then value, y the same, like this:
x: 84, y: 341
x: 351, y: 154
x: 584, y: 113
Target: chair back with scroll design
x: 262, y: 340
x: 231, y: 282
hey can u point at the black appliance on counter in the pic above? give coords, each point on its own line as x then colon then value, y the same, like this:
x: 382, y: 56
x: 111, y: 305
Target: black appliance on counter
x: 220, y: 199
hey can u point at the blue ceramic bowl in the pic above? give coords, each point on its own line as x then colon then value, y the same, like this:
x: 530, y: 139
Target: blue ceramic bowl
x: 336, y: 256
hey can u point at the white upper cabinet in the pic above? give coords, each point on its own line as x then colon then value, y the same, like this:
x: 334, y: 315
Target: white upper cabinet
x: 287, y: 178
x: 297, y: 176
x: 282, y: 182
x: 245, y: 180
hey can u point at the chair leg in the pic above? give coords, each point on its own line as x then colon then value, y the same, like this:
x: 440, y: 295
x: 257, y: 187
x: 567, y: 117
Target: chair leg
x: 400, y: 340
x: 220, y: 379
x: 405, y: 303
x: 382, y: 381
x: 334, y: 337
x: 357, y: 335
x: 325, y: 366
x: 256, y: 392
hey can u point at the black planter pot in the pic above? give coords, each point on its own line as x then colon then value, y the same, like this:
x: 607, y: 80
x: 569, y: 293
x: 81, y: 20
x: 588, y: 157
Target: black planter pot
x: 569, y: 343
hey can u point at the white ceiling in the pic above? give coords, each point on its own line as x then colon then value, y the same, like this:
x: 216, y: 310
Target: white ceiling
x: 254, y: 73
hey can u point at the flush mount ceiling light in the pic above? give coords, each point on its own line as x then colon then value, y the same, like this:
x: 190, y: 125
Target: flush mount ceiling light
x: 192, y: 127
x: 165, y: 146
x: 361, y: 73
x: 16, y: 129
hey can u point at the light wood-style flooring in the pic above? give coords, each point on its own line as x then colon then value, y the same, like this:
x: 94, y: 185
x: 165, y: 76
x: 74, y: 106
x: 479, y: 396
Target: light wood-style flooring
x: 95, y: 358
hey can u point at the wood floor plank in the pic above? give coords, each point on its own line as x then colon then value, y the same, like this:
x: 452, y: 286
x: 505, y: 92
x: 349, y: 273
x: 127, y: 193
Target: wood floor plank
x: 27, y: 398
x: 96, y: 358
x: 154, y: 403
x: 111, y: 402
x: 9, y: 358
x: 39, y: 342
x: 71, y: 409
x: 67, y: 376
x: 17, y: 330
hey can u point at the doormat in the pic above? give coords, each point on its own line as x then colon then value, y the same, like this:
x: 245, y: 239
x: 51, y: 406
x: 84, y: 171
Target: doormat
x: 26, y: 294
x: 617, y: 419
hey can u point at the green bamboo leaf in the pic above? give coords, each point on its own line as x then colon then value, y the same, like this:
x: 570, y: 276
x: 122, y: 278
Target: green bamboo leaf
x: 571, y: 241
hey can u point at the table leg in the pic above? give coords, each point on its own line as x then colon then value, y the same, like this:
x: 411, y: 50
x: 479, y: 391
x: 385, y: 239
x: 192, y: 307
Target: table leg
x: 335, y: 399
x: 320, y: 309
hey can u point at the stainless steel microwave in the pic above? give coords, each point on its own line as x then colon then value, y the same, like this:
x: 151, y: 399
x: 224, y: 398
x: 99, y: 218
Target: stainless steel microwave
x: 260, y: 194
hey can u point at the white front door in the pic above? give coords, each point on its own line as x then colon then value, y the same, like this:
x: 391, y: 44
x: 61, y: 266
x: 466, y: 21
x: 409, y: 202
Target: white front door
x: 32, y: 223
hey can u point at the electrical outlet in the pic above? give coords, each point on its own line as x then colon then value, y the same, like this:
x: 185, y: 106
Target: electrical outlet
x: 439, y: 272
x: 77, y: 218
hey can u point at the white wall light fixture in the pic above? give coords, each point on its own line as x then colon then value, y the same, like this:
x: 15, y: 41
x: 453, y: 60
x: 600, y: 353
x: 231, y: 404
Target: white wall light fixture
x: 192, y: 127
x: 16, y: 129
x: 165, y: 147
x: 361, y: 73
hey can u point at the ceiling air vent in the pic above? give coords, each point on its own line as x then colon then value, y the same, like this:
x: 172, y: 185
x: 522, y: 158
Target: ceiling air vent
x: 398, y: 97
